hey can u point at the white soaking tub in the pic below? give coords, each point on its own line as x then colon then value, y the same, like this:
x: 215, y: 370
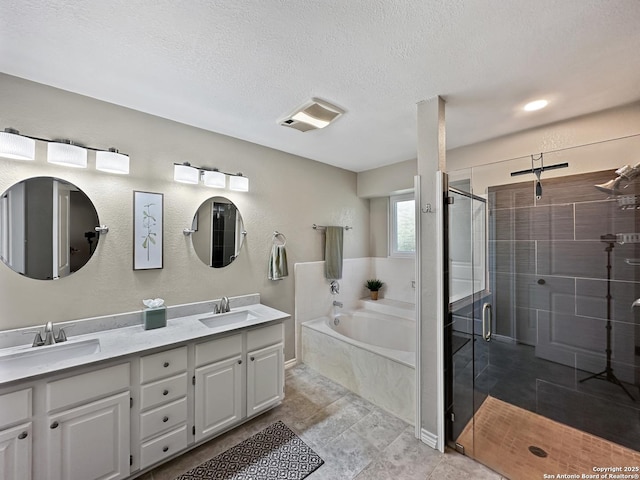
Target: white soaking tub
x: 370, y: 352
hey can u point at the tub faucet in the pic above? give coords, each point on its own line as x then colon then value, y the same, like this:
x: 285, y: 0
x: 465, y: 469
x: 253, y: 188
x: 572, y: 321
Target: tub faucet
x: 337, y: 304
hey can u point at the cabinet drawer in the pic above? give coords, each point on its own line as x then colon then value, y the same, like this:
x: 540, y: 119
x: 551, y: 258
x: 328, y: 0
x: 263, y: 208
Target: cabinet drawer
x: 164, y: 446
x: 219, y: 349
x: 162, y: 391
x: 163, y: 364
x: 262, y: 337
x: 87, y: 386
x: 15, y: 407
x: 162, y: 418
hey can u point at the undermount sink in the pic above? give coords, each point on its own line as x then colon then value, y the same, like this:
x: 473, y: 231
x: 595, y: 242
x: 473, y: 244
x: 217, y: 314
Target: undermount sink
x: 229, y: 318
x: 47, y: 354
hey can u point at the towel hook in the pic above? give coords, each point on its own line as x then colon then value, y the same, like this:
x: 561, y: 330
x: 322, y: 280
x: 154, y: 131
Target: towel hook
x: 277, y: 234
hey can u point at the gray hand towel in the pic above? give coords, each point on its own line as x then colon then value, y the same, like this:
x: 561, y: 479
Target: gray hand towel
x: 278, y: 268
x: 333, y: 253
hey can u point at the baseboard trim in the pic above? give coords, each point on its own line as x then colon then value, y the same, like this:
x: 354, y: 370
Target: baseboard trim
x: 429, y: 438
x: 290, y: 363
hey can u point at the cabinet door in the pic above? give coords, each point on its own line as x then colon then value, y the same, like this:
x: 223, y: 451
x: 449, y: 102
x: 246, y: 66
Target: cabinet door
x: 218, y: 396
x: 90, y: 442
x: 15, y: 453
x: 265, y: 378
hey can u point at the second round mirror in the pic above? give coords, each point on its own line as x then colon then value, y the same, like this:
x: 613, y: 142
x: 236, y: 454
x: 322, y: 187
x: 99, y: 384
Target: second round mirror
x: 219, y: 232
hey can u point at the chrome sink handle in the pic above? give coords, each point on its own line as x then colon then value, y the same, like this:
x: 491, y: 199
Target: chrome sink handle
x: 37, y: 340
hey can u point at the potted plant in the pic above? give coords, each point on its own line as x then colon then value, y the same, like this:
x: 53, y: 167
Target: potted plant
x: 374, y: 285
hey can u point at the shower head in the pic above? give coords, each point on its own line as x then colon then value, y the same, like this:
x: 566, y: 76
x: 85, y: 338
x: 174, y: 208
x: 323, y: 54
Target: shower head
x: 610, y: 187
x: 626, y: 173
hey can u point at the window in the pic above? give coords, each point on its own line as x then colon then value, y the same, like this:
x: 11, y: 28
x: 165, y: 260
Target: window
x: 402, y: 227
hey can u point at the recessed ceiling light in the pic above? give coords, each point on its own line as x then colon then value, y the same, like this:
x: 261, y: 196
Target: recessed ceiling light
x: 535, y: 105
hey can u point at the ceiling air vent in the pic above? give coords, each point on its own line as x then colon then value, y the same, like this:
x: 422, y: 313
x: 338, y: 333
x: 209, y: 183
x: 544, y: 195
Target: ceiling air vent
x: 313, y: 115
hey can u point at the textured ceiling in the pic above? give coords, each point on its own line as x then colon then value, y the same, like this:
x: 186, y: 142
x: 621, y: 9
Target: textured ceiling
x: 237, y: 67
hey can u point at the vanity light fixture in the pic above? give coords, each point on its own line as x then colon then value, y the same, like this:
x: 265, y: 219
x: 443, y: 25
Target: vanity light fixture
x: 61, y: 152
x: 112, y: 161
x: 211, y: 177
x: 239, y: 183
x: 185, y: 173
x: 16, y: 146
x: 64, y: 152
x: 214, y: 178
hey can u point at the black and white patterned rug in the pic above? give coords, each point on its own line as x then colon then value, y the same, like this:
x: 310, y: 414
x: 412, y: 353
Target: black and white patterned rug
x: 273, y: 453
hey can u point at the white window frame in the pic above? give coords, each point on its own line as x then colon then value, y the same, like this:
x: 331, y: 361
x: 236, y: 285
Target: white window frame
x: 393, y: 225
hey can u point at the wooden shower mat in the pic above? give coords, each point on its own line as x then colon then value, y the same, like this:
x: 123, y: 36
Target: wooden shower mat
x: 504, y: 433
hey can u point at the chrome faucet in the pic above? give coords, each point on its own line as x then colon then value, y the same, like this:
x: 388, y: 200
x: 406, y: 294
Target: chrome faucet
x: 224, y: 305
x: 337, y: 304
x: 49, y: 337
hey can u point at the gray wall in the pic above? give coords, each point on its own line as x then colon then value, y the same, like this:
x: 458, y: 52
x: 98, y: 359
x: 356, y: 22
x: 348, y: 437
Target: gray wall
x: 287, y: 193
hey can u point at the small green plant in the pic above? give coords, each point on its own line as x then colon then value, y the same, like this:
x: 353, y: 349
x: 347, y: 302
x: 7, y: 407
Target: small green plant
x: 374, y: 284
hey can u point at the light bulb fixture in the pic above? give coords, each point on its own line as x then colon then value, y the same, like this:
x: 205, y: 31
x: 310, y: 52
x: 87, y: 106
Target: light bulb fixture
x: 214, y: 178
x: 239, y: 183
x: 63, y: 152
x: 211, y: 177
x: 313, y: 115
x: 185, y: 173
x: 112, y: 161
x: 536, y: 105
x: 16, y: 146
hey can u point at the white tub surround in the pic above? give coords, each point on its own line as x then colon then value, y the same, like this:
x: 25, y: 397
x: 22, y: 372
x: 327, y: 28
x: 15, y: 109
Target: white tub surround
x: 124, y: 334
x: 369, y: 352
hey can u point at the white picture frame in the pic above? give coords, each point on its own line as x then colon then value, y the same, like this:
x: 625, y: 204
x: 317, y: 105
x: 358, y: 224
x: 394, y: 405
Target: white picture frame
x: 148, y: 230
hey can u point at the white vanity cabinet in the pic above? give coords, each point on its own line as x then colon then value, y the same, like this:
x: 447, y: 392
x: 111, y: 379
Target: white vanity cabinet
x: 265, y: 368
x: 88, y: 425
x: 236, y: 377
x: 163, y: 405
x: 16, y: 435
x: 219, y: 378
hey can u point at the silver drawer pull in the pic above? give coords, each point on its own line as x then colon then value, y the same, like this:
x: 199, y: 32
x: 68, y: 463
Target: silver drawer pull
x: 239, y: 362
x: 165, y: 419
x: 165, y: 449
x: 166, y: 364
x: 252, y: 359
x: 22, y: 436
x: 165, y: 392
x: 54, y: 425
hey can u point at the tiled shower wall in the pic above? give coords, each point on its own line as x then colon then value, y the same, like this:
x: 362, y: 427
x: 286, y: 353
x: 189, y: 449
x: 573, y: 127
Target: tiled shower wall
x: 548, y: 269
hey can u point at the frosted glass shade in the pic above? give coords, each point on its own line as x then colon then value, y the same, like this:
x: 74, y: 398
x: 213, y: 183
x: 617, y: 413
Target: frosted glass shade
x: 17, y: 147
x: 112, y: 162
x: 239, y: 183
x: 186, y: 174
x: 67, y: 155
x: 214, y: 179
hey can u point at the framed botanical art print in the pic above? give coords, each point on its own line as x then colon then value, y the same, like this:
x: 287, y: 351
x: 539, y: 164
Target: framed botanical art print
x: 148, y: 225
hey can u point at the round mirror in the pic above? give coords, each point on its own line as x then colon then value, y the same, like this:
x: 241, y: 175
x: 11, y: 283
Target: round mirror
x: 218, y: 232
x: 47, y: 228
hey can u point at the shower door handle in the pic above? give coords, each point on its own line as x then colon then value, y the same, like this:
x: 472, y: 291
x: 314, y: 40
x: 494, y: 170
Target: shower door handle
x: 487, y: 317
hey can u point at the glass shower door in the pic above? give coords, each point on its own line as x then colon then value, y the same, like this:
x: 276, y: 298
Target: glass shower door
x: 468, y: 323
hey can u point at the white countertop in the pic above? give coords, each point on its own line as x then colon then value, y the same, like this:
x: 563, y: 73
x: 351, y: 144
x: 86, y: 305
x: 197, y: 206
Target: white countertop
x: 120, y: 342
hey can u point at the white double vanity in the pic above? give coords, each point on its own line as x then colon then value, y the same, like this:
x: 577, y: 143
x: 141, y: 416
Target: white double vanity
x: 111, y: 402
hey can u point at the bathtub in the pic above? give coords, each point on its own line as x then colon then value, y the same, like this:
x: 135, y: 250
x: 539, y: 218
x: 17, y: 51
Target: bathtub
x: 369, y: 351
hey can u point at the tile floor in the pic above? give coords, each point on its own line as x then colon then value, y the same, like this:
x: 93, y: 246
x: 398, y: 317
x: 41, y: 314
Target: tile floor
x: 503, y: 433
x: 356, y: 439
